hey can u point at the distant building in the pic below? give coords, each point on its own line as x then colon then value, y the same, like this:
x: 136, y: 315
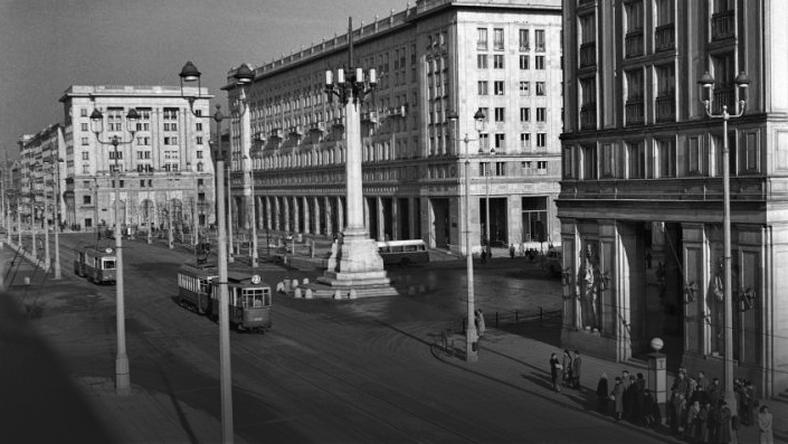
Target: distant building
x: 641, y: 200
x: 432, y: 59
x: 166, y: 170
x: 38, y: 154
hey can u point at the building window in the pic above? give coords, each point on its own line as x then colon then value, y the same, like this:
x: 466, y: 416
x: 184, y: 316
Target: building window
x: 498, y: 39
x: 540, y: 88
x: 500, y: 168
x: 635, y: 109
x: 541, y: 140
x: 86, y: 199
x: 525, y: 140
x: 199, y: 140
x: 85, y: 169
x: 587, y: 40
x: 498, y: 86
x: 142, y: 181
x: 499, y: 114
x: 524, y: 40
x: 116, y: 155
x: 198, y: 125
x: 525, y: 114
x: 498, y: 61
x: 481, y: 39
x: 199, y: 167
x: 484, y: 141
x: 83, y: 112
x: 170, y: 113
x: 481, y: 61
x: 198, y: 154
x: 482, y: 88
x: 636, y: 160
x: 525, y: 88
x: 541, y: 114
x: 500, y: 140
x: 666, y: 152
x: 589, y: 162
x: 86, y: 155
x: 524, y: 61
x: 539, y: 40
x: 587, y: 103
x: 723, y: 66
x: 84, y: 127
x: 665, y: 103
x: 539, y: 62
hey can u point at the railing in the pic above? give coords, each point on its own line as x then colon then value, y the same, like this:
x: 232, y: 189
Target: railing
x: 702, y: 188
x: 635, y: 111
x: 587, y: 54
x: 588, y: 116
x: 633, y: 43
x: 666, y: 108
x: 722, y: 25
x: 665, y: 37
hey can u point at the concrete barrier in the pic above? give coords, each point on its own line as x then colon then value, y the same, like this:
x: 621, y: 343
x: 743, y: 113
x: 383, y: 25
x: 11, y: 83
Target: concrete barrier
x: 294, y: 284
x: 305, y: 281
x: 297, y: 293
x: 337, y: 295
x: 352, y: 294
x: 308, y: 294
x: 280, y: 287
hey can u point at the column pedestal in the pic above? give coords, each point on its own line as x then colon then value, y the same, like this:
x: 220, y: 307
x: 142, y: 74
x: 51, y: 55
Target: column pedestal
x: 355, y: 263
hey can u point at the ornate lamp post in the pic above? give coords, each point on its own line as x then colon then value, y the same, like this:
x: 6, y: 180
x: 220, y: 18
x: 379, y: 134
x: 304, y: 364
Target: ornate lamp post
x: 189, y: 73
x: 487, y: 171
x: 122, y: 379
x: 707, y: 84
x: 471, y: 335
x: 253, y: 252
x: 55, y: 161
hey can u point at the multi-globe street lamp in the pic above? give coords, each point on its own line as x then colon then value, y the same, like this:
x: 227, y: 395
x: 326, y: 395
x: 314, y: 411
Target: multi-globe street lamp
x: 122, y: 378
x: 189, y: 73
x: 471, y: 334
x: 707, y: 96
x: 253, y: 252
x: 55, y: 160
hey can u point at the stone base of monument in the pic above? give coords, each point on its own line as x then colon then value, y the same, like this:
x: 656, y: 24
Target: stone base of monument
x: 355, y: 269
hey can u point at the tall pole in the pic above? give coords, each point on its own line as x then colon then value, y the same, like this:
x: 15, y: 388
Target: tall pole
x: 170, y: 239
x: 122, y: 378
x: 230, y: 248
x: 726, y: 233
x: 253, y: 252
x: 56, y: 218
x: 487, y: 205
x: 47, y: 259
x: 471, y: 352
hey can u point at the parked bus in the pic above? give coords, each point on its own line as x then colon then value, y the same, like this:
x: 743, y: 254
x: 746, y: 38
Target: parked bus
x: 404, y: 252
x: 249, y: 302
x: 194, y: 286
x: 97, y: 265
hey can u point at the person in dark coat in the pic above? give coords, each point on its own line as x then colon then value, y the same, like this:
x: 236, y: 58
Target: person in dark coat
x: 555, y: 372
x: 567, y: 364
x: 618, y: 398
x: 602, y: 394
x: 639, y: 399
x: 724, y: 424
x: 702, y: 432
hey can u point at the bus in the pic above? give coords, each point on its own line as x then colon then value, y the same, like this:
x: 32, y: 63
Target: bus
x: 404, y: 252
x: 97, y: 265
x: 194, y: 286
x: 249, y: 302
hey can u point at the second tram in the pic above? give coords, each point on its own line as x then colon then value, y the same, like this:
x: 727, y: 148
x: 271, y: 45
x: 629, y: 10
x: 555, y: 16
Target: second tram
x: 97, y: 265
x: 248, y: 299
x: 194, y: 286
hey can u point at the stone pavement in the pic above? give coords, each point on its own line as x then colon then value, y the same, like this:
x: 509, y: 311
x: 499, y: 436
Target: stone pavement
x: 518, y: 360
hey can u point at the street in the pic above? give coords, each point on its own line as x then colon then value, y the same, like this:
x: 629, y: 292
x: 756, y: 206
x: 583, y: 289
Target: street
x: 349, y: 371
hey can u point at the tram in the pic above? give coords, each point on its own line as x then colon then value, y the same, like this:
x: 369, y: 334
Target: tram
x: 249, y: 302
x: 194, y: 286
x: 97, y: 265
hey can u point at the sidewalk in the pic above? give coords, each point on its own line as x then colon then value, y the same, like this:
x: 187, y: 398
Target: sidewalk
x: 522, y: 362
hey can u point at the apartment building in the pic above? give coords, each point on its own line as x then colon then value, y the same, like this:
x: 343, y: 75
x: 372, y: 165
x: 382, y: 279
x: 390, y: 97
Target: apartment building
x: 641, y: 202
x: 36, y: 194
x: 433, y: 59
x: 164, y: 172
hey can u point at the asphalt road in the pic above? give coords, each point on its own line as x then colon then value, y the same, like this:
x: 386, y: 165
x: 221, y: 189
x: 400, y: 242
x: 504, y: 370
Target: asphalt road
x: 353, y: 371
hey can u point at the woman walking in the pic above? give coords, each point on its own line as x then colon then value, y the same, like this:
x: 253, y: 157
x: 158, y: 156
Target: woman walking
x: 556, y: 371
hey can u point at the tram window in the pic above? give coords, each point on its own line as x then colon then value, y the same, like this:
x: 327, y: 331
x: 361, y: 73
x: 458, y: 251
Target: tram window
x: 108, y: 264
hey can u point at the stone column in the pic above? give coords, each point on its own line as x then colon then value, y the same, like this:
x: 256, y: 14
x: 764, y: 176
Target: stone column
x: 277, y: 213
x: 307, y: 215
x: 412, y: 217
x: 318, y: 215
x: 395, y: 218
x: 340, y: 214
x: 367, y: 216
x: 329, y: 215
x: 267, y: 212
x: 286, y: 211
x: 296, y: 215
x: 381, y: 220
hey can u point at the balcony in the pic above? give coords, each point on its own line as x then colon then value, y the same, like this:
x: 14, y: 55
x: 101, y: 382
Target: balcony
x: 277, y: 133
x: 588, y: 116
x: 635, y: 111
x: 587, y: 54
x: 724, y: 96
x: 665, y: 37
x: 665, y: 107
x: 633, y: 43
x: 318, y: 127
x: 722, y: 25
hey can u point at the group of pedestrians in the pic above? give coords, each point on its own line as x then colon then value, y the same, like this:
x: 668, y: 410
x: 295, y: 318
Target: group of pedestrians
x: 696, y: 410
x: 566, y: 371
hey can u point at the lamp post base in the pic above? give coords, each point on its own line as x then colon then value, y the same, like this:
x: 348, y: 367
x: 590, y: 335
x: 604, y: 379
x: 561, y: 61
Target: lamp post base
x: 356, y: 264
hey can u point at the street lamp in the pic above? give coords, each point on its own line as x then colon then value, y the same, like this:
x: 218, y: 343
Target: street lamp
x: 480, y: 117
x: 706, y: 82
x: 189, y: 73
x: 253, y: 253
x: 471, y: 335
x: 122, y: 379
x: 55, y: 161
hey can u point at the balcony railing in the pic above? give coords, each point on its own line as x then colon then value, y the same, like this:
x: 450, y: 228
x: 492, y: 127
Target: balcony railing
x: 666, y: 108
x: 722, y: 25
x: 724, y: 96
x: 688, y: 189
x: 665, y: 37
x: 588, y: 116
x: 635, y: 111
x: 633, y: 43
x: 587, y: 54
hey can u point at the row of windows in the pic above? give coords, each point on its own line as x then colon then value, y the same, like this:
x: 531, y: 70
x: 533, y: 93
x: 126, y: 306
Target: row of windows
x: 499, y: 168
x: 482, y: 88
x: 499, y: 114
x: 524, y: 39
x: 141, y: 126
x: 498, y: 61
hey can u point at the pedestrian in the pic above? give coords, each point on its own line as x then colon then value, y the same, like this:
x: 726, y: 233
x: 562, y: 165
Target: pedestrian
x: 691, y: 428
x: 677, y: 404
x: 484, y: 255
x: 724, y: 433
x: 555, y: 372
x: 640, y: 399
x: 481, y: 326
x: 766, y: 433
x: 652, y: 415
x: 577, y: 363
x: 602, y: 394
x: 618, y: 398
x: 511, y: 251
x: 567, y: 364
x: 702, y: 429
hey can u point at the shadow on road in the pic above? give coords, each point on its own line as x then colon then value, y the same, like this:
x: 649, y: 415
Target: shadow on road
x: 39, y: 402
